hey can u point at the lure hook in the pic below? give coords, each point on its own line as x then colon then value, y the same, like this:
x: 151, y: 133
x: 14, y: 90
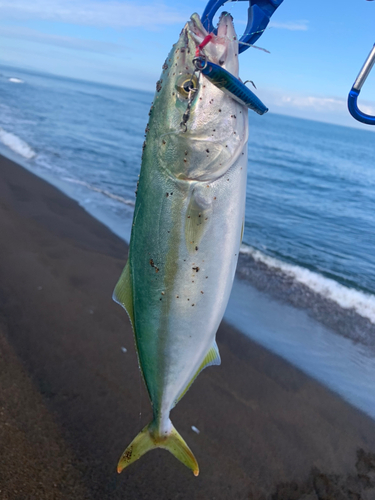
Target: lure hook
x: 259, y: 15
x: 356, y: 89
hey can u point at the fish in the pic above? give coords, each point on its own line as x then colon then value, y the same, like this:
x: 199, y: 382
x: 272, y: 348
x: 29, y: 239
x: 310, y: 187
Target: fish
x: 187, y: 230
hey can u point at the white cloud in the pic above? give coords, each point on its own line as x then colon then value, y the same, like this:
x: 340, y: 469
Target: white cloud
x: 322, y: 104
x: 291, y: 25
x: 330, y: 109
x: 111, y: 13
x: 312, y: 102
x: 66, y: 42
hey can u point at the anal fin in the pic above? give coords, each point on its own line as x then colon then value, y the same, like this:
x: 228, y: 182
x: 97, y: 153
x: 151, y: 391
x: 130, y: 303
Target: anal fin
x: 212, y: 358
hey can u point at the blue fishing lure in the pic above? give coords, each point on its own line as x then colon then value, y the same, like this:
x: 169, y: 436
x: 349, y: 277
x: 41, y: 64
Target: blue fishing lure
x: 230, y: 85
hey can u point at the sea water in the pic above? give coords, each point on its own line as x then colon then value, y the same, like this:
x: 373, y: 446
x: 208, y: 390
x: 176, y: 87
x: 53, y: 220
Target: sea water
x: 305, y: 286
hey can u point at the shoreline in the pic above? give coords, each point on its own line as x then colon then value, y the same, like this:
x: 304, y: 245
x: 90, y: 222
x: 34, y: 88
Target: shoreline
x: 71, y: 398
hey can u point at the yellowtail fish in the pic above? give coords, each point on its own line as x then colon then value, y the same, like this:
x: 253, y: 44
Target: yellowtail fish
x: 187, y: 230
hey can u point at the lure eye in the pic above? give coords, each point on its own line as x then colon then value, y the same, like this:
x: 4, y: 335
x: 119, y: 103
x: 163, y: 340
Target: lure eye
x: 185, y: 84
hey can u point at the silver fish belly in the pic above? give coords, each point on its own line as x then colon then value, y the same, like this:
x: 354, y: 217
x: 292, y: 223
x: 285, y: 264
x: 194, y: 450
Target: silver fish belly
x: 187, y: 230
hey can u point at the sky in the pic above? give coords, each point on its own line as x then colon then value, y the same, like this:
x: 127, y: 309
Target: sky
x: 316, y: 47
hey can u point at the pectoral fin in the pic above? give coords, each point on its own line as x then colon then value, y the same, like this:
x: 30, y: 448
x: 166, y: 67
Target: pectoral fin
x: 197, y: 216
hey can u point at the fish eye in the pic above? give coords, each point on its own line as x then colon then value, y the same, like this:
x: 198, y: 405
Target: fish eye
x: 186, y: 83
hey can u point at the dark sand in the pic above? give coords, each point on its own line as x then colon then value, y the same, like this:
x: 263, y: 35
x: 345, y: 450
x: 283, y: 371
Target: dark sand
x: 70, y: 398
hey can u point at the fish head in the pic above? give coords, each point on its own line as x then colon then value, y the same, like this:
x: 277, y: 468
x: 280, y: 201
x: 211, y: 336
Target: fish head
x: 216, y: 131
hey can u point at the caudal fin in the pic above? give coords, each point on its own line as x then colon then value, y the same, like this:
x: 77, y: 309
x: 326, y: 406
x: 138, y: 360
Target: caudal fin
x: 149, y: 439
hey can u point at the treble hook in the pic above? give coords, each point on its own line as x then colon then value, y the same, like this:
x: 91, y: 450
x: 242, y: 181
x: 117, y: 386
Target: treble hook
x: 356, y: 89
x: 259, y: 15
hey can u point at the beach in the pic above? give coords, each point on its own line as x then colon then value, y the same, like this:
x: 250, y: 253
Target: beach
x: 72, y: 398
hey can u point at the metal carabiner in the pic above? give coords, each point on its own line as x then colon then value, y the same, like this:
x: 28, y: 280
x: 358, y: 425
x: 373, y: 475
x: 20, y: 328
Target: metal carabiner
x: 259, y: 15
x: 356, y: 89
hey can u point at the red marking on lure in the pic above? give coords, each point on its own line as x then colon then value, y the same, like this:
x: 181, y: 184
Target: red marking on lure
x: 205, y: 41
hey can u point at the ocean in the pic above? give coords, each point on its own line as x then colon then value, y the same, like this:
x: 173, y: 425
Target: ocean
x: 307, y: 260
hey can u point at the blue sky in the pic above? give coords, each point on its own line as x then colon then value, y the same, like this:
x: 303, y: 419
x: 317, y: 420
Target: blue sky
x: 317, y: 47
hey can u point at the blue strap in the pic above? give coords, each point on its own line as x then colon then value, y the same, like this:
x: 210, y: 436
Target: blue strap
x: 259, y: 15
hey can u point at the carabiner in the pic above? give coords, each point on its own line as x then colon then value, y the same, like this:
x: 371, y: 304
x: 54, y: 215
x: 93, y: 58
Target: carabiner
x: 356, y: 89
x: 259, y: 15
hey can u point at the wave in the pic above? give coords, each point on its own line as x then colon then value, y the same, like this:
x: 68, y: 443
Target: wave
x: 101, y: 191
x: 15, y: 80
x: 347, y: 298
x: 16, y: 144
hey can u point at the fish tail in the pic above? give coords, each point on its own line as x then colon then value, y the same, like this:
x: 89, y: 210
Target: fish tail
x: 149, y: 438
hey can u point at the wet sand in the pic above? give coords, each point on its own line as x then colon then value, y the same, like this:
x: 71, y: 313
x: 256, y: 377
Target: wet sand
x: 71, y: 400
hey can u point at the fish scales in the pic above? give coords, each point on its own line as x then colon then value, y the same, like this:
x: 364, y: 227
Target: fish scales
x: 186, y: 233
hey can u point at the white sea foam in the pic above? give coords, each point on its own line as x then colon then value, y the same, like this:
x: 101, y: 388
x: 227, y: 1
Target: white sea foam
x: 16, y: 144
x: 347, y: 298
x: 101, y: 191
x: 15, y: 80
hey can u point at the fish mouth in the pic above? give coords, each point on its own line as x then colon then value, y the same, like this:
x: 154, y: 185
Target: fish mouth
x: 222, y: 49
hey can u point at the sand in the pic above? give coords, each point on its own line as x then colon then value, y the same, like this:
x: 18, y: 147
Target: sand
x: 71, y: 399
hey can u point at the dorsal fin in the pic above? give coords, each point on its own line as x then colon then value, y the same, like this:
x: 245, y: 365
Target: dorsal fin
x: 123, y: 293
x: 212, y: 358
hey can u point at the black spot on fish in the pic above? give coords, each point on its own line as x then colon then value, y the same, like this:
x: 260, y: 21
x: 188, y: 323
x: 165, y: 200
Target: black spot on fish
x: 152, y: 264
